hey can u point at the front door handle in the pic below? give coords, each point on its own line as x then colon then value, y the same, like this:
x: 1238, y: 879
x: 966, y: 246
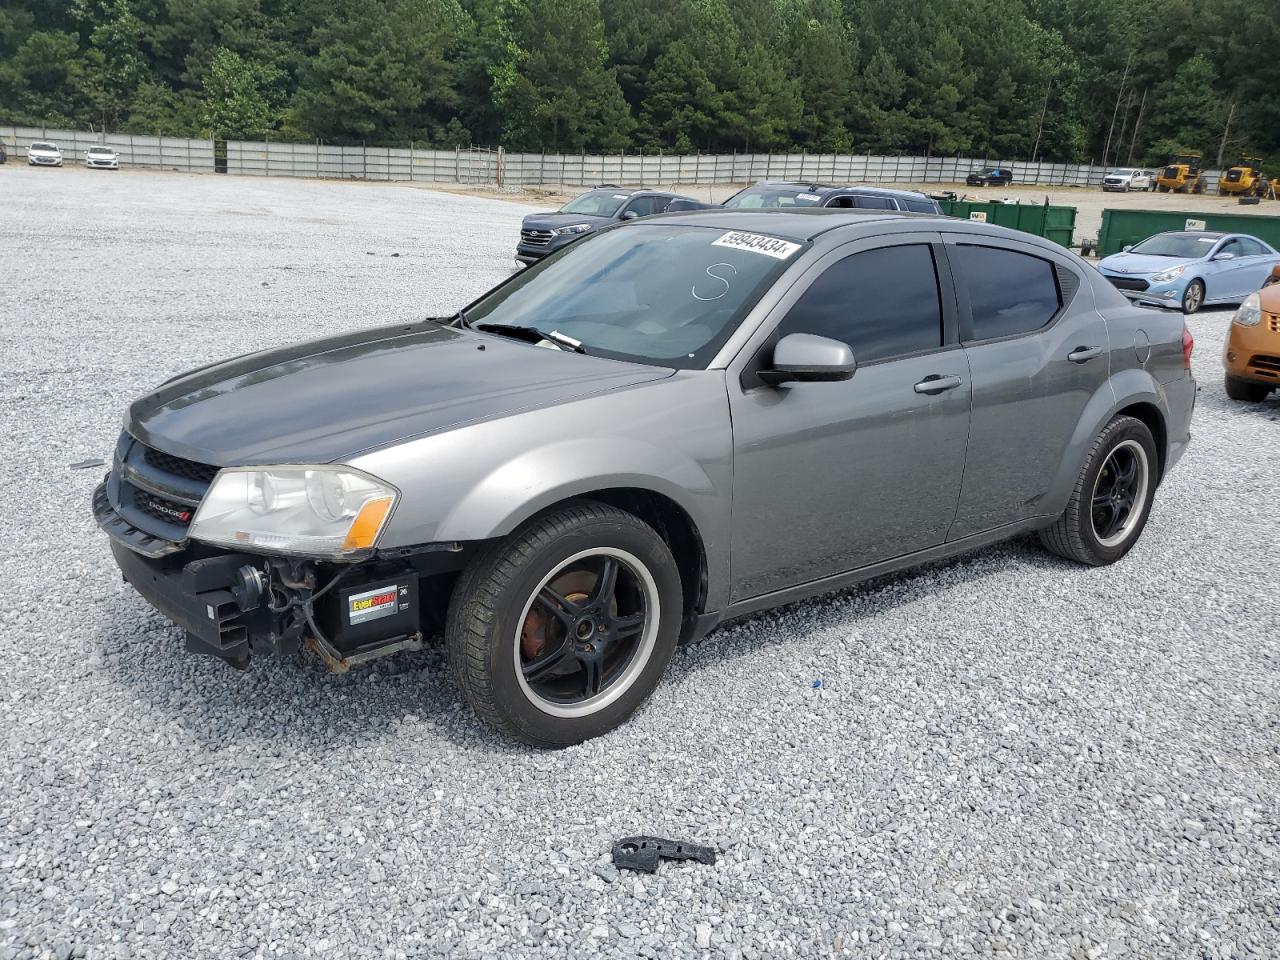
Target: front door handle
x: 1084, y: 354
x: 937, y: 383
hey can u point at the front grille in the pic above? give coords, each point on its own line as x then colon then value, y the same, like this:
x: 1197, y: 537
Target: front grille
x: 1171, y: 173
x: 189, y: 469
x: 162, y: 509
x: 535, y: 238
x: 1233, y: 176
x: 155, y: 492
x: 1265, y: 364
x: 1123, y: 283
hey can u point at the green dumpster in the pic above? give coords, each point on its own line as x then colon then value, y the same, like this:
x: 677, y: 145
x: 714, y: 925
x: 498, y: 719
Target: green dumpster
x: 1044, y: 220
x: 1122, y: 228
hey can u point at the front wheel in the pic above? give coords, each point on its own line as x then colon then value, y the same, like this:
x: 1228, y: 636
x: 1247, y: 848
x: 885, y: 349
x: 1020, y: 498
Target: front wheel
x: 1193, y: 297
x: 1112, y: 497
x: 1238, y: 389
x: 558, y: 633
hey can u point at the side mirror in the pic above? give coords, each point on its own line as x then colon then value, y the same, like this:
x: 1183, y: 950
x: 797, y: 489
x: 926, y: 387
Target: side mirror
x: 806, y: 358
x: 1224, y: 256
x: 1126, y: 248
x: 630, y: 215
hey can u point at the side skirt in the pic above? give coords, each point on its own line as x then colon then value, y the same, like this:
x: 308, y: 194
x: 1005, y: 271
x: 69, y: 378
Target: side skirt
x: 707, y: 621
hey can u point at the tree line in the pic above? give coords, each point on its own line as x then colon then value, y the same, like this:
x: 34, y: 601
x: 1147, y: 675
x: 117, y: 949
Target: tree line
x: 1108, y: 81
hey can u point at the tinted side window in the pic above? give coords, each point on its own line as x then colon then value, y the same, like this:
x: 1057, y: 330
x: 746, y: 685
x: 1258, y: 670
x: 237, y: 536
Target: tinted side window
x: 920, y: 206
x: 863, y: 202
x: 1009, y: 292
x: 883, y: 303
x: 645, y: 206
x: 1250, y: 248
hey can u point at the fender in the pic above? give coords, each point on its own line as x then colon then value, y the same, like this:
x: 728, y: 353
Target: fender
x: 529, y: 483
x: 1122, y: 389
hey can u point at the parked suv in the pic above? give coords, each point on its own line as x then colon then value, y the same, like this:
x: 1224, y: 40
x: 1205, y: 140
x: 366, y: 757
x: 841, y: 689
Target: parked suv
x: 991, y: 177
x: 673, y: 423
x: 542, y: 234
x: 771, y: 194
x: 1129, y: 178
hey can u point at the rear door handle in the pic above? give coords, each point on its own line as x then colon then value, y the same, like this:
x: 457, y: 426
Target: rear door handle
x: 937, y: 383
x: 1084, y: 354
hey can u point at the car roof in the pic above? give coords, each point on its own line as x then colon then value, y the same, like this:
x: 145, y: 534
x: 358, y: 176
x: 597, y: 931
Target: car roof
x: 825, y: 188
x: 800, y: 225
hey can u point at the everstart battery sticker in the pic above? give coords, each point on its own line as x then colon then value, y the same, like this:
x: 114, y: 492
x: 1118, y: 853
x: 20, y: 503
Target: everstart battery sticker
x: 757, y: 243
x: 373, y: 604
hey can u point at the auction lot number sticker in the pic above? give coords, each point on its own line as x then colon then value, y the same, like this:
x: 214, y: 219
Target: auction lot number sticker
x: 758, y: 243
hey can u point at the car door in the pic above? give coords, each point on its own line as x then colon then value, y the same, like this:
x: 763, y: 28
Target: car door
x: 1226, y: 278
x: 1036, y: 355
x: 1255, y: 265
x: 829, y: 477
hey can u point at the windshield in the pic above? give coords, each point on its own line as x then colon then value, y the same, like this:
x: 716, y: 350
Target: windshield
x: 101, y: 150
x: 1122, y: 173
x: 597, y: 203
x: 652, y: 293
x: 43, y: 146
x: 773, y: 196
x: 1186, y: 245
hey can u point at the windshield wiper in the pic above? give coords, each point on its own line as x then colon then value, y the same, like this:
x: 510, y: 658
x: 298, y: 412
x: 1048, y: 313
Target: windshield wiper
x: 533, y: 335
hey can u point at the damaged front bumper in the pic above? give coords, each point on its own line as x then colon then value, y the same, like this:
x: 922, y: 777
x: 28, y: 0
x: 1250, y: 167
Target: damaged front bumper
x: 236, y: 605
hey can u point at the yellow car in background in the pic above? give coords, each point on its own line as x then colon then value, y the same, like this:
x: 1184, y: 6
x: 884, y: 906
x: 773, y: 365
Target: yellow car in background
x: 1252, y: 353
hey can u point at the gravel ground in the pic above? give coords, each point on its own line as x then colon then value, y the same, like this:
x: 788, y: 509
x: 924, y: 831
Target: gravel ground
x: 1006, y: 754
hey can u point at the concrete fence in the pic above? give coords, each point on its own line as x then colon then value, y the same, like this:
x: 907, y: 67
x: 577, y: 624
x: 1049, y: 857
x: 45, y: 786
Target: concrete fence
x: 482, y: 165
x: 159, y: 152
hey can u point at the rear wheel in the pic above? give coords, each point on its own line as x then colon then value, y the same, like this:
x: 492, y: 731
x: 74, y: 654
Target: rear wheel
x: 561, y: 631
x: 1112, y: 498
x: 1193, y: 297
x: 1238, y: 389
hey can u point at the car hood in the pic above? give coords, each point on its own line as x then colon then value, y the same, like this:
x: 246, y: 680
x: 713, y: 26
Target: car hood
x: 1138, y: 264
x: 549, y: 221
x: 334, y: 398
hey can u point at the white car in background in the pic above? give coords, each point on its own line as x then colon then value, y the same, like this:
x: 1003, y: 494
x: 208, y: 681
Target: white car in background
x: 41, y: 154
x: 102, y: 158
x: 1128, y: 178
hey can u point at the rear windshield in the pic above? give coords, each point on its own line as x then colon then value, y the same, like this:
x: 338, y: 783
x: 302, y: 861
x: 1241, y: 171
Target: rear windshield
x: 597, y: 203
x: 773, y: 196
x: 1176, y: 245
x: 649, y: 292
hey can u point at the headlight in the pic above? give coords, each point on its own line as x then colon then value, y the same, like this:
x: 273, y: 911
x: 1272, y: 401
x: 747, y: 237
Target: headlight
x: 576, y: 228
x: 322, y: 511
x: 1250, y: 312
x: 1164, y: 276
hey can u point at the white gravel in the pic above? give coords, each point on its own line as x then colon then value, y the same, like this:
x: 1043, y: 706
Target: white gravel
x: 1007, y: 754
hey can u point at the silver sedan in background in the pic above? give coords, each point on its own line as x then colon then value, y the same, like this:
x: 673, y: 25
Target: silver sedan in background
x: 102, y: 158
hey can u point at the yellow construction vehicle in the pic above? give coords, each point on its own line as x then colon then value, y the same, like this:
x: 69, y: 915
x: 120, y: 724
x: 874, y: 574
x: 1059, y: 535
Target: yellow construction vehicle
x: 1181, y: 175
x: 1244, y: 179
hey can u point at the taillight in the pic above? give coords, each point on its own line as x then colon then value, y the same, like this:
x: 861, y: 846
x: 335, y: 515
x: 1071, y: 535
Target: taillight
x: 1188, y: 344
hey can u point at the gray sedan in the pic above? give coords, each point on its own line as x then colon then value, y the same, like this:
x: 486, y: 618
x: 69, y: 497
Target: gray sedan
x: 667, y: 425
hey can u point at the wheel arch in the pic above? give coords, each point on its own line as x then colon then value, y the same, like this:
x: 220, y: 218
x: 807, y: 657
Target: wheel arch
x: 1132, y: 393
x: 672, y: 522
x: 1150, y: 414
